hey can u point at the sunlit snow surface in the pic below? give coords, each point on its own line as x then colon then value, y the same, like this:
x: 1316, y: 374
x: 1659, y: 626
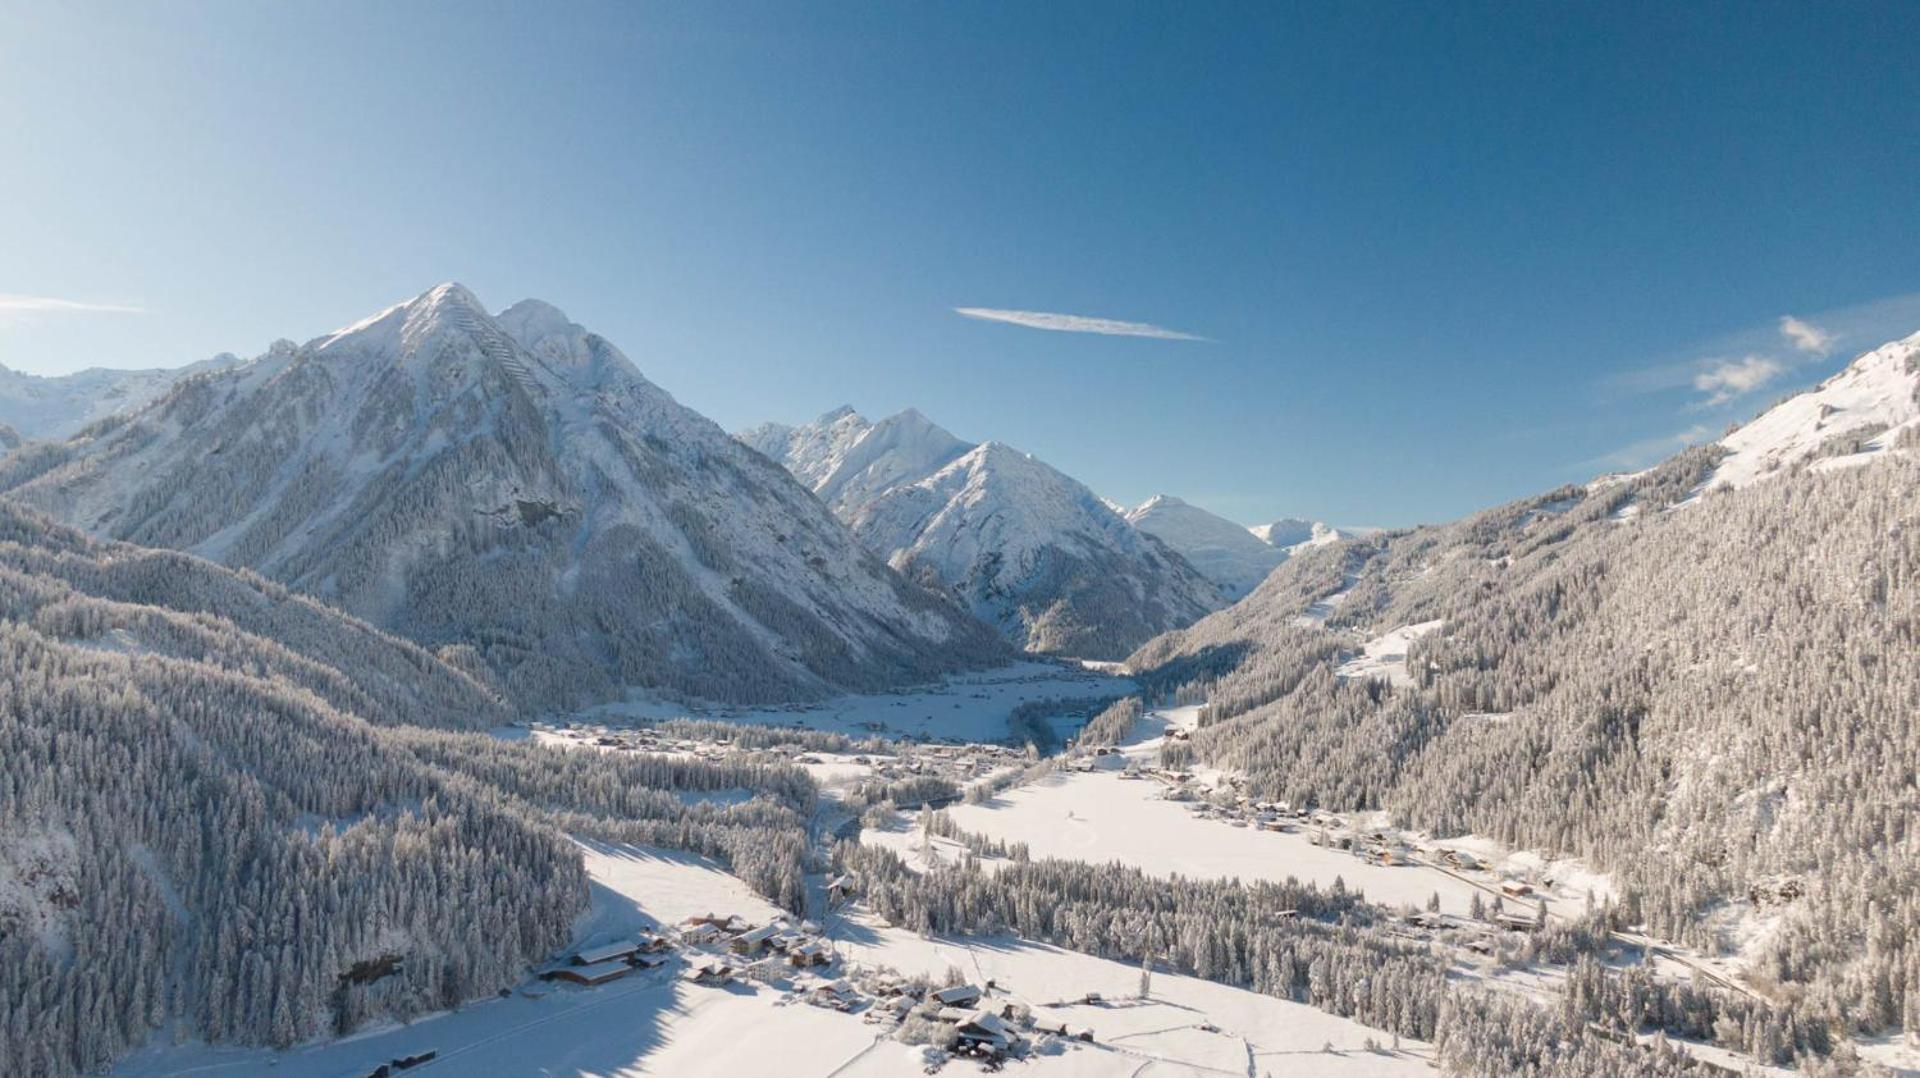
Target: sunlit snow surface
x: 1876, y: 390
x: 653, y: 1024
x: 1385, y: 656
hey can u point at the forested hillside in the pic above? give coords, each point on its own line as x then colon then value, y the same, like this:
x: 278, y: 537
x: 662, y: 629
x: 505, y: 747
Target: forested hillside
x: 213, y: 820
x: 1715, y: 697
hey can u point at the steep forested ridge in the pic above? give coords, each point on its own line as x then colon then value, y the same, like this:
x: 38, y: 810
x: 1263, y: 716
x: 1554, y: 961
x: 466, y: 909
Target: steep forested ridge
x: 1712, y: 693
x: 223, y: 808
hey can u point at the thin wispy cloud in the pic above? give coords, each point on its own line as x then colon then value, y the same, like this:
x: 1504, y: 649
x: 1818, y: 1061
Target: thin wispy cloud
x: 1725, y: 380
x: 1076, y: 323
x: 1805, y: 336
x: 1646, y: 451
x: 16, y: 308
x: 1787, y: 351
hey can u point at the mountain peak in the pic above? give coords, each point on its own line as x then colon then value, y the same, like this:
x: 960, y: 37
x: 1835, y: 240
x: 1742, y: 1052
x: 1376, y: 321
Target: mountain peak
x: 448, y: 292
x: 913, y: 421
x: 545, y: 330
x: 408, y: 321
x: 537, y: 315
x: 442, y: 304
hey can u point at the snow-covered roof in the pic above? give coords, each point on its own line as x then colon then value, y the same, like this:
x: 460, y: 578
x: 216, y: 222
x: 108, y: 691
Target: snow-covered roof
x: 606, y: 952
x: 986, y: 1023
x: 960, y: 993
x: 763, y: 933
x: 599, y: 970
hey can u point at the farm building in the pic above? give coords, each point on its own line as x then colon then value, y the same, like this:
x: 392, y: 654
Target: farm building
x: 984, y: 1030
x: 1518, y: 922
x: 840, y: 887
x: 840, y: 996
x: 710, y: 973
x: 595, y: 974
x: 960, y: 995
x: 756, y: 940
x: 809, y: 953
x: 610, y: 952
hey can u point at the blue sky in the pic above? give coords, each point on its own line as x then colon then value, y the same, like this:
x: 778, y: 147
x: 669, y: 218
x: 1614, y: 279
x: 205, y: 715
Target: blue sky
x: 1441, y: 256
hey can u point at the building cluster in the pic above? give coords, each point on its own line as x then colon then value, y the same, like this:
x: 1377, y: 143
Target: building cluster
x: 609, y: 962
x: 724, y: 949
x: 735, y: 947
x: 957, y: 763
x: 639, y: 738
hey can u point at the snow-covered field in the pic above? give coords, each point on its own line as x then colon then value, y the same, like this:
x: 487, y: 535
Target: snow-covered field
x: 966, y: 707
x: 1161, y: 1035
x: 1099, y: 816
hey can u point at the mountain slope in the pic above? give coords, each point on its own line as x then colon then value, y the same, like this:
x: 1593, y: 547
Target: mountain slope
x: 1711, y: 697
x: 39, y: 406
x: 1231, y: 556
x: 221, y: 815
x: 188, y: 772
x: 516, y: 485
x: 1026, y: 548
x: 1864, y: 409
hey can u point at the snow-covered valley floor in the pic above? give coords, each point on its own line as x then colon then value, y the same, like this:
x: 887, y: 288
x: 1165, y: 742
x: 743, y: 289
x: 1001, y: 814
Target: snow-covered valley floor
x: 654, y: 1022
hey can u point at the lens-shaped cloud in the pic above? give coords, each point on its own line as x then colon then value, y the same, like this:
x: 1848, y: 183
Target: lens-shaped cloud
x: 1076, y: 323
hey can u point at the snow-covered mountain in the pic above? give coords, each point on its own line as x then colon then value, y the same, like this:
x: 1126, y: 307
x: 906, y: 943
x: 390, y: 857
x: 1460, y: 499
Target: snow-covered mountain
x: 1235, y: 558
x: 1027, y: 548
x: 1686, y: 666
x: 514, y: 484
x: 848, y: 461
x: 1295, y: 533
x: 1867, y: 408
x: 39, y: 406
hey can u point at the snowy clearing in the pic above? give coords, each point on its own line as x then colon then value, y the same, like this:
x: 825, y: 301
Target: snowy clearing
x: 1322, y: 609
x: 1386, y: 655
x: 1159, y: 1035
x: 1099, y: 816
